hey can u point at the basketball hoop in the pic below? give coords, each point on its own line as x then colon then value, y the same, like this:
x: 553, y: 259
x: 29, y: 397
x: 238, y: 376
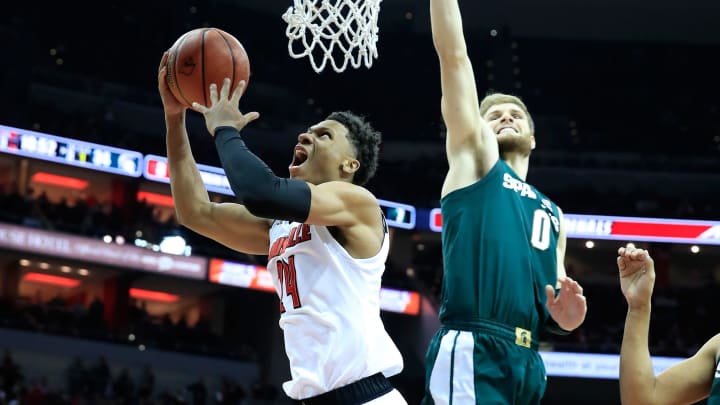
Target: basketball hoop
x: 340, y: 31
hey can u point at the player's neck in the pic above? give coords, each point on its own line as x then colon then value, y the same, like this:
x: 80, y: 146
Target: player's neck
x: 519, y: 162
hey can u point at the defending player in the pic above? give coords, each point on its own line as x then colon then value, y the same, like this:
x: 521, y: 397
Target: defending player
x: 503, y: 244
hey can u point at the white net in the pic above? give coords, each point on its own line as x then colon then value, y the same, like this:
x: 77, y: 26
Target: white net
x: 342, y: 32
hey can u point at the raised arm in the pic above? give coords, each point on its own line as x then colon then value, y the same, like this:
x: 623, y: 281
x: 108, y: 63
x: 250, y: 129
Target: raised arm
x: 466, y: 130
x: 686, y: 382
x: 229, y: 224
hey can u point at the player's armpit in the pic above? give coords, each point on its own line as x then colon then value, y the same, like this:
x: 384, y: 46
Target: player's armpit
x: 690, y: 380
x: 233, y: 226
x: 339, y: 203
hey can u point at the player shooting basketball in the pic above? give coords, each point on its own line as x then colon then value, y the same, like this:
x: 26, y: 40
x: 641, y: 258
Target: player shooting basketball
x: 503, y: 243
x: 326, y: 237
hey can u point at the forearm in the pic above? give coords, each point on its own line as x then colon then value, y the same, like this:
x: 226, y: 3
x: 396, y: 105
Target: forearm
x: 637, y: 377
x: 255, y: 185
x: 447, y: 29
x: 188, y: 189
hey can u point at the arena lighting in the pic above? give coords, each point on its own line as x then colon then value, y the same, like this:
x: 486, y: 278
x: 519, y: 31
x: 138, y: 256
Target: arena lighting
x: 174, y: 245
x: 60, y: 181
x: 155, y: 199
x: 52, y: 280
x: 153, y: 295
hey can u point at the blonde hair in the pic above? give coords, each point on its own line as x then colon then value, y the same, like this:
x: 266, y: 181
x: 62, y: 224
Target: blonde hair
x: 500, y: 98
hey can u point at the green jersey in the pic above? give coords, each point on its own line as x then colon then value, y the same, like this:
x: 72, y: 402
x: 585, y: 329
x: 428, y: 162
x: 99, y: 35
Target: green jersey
x: 499, y: 242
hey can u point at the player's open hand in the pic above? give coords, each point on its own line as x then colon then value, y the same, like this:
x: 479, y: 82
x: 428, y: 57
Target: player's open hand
x: 170, y: 104
x: 637, y: 275
x: 223, y: 109
x: 569, y: 307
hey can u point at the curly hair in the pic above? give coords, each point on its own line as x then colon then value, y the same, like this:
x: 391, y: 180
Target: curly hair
x: 366, y: 141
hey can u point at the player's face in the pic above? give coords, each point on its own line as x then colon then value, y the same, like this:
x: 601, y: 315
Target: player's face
x: 321, y: 152
x: 512, y: 128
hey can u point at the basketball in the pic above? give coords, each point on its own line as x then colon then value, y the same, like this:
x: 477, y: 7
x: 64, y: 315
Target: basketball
x: 201, y: 57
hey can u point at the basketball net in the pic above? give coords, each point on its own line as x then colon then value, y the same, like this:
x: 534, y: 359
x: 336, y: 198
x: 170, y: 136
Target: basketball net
x: 339, y: 31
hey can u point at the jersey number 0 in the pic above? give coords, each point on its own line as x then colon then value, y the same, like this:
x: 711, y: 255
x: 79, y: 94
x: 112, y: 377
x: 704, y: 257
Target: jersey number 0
x: 540, y: 236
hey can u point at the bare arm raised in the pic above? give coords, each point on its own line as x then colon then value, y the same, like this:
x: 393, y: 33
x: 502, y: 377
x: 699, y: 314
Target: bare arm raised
x: 686, y: 382
x: 229, y: 224
x: 471, y: 145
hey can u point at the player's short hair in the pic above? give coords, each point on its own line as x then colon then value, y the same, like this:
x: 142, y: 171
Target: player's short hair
x: 501, y: 98
x: 366, y: 141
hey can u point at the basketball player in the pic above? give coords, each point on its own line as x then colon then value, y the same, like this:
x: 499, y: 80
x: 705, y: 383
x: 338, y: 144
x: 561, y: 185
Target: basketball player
x: 324, y: 234
x: 687, y: 382
x: 503, y: 244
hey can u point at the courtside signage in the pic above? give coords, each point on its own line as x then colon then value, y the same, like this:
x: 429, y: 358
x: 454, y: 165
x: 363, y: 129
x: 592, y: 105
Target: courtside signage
x: 156, y: 169
x: 240, y: 275
x: 588, y: 365
x: 636, y: 229
x: 90, y: 250
x: 259, y: 278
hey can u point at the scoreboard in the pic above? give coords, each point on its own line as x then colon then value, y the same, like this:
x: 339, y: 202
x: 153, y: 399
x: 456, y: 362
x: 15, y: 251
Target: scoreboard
x: 70, y: 151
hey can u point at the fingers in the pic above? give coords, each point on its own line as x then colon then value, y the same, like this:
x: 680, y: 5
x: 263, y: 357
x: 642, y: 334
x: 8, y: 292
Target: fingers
x: 251, y: 116
x: 213, y: 94
x: 163, y: 61
x: 572, y: 286
x: 162, y: 68
x: 225, y: 90
x: 238, y: 91
x: 550, y: 294
x: 199, y: 107
x: 630, y: 252
x: 568, y: 286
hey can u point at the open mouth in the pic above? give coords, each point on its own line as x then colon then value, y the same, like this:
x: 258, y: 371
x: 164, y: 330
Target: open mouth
x: 300, y: 156
x: 507, y: 130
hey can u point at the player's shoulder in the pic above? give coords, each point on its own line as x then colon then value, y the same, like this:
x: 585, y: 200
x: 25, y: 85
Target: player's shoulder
x: 357, y: 193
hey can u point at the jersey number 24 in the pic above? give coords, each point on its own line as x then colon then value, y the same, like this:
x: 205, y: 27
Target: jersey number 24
x: 288, y: 282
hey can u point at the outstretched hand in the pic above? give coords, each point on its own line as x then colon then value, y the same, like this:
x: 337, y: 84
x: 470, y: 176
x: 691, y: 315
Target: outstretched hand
x: 637, y: 275
x: 223, y: 109
x: 569, y: 307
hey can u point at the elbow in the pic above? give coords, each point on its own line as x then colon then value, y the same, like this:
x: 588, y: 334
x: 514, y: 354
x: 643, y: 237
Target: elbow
x: 182, y: 218
x: 186, y: 215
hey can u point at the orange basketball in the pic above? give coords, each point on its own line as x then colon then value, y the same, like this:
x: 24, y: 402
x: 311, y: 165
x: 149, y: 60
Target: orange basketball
x: 201, y: 57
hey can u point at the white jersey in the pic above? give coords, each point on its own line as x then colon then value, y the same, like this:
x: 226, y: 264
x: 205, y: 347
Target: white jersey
x: 330, y: 310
